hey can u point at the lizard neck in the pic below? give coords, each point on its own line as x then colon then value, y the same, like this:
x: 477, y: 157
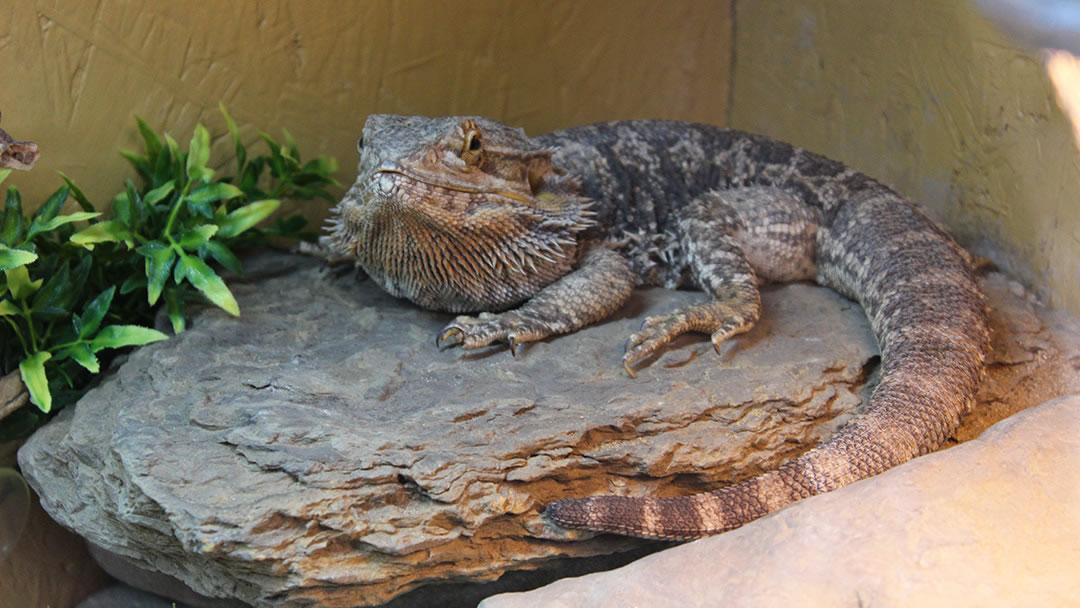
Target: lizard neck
x: 445, y: 248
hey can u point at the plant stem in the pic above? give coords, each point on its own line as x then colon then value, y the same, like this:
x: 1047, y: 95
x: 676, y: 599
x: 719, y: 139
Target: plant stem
x: 176, y: 210
x: 30, y: 324
x: 18, y: 334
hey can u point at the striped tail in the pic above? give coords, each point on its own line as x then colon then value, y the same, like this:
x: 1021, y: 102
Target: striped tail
x: 919, y: 293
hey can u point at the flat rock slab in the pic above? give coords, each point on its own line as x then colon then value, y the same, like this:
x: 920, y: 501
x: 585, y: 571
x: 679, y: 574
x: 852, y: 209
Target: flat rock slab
x: 319, y: 450
x: 993, y: 522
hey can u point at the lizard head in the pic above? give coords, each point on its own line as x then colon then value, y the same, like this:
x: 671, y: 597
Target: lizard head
x: 458, y: 214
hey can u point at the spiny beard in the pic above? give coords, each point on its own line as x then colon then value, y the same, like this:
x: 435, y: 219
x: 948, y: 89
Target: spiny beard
x: 494, y: 255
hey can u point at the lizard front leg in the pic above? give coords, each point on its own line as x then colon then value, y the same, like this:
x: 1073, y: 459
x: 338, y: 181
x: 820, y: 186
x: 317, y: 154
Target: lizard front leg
x: 597, y: 288
x: 732, y: 240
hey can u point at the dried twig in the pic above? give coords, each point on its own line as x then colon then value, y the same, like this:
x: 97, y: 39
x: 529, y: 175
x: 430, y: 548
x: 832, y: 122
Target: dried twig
x: 17, y: 154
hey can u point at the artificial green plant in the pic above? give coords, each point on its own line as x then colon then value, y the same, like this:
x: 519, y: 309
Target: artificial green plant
x: 77, y: 284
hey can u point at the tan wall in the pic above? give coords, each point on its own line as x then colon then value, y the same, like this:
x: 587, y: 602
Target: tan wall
x: 73, y: 74
x: 923, y: 94
x: 930, y: 98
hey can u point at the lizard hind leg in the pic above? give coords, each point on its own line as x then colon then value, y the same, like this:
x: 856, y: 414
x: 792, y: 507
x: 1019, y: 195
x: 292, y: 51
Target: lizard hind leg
x: 732, y: 241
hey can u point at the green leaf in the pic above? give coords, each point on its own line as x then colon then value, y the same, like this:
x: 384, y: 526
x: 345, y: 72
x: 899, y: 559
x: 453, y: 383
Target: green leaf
x: 167, y: 168
x: 200, y: 198
x: 199, y: 274
x: 94, y: 312
x: 56, y: 299
x: 111, y: 231
x: 159, y: 261
x: 174, y: 304
x: 52, y: 298
x: 32, y: 370
x: 211, y: 193
x: 137, y: 210
x: 229, y: 122
x: 293, y: 151
x: 198, y: 155
x: 52, y: 206
x: 196, y: 237
x: 245, y: 217
x: 178, y: 160
x: 159, y: 194
x: 249, y: 180
x: 222, y: 255
x: 76, y: 193
x: 174, y: 147
x: 241, y: 151
x: 323, y: 167
x: 12, y: 230
x: 37, y: 228
x: 150, y: 138
x: 119, y: 336
x: 84, y: 357
x: 131, y: 284
x: 18, y: 280
x: 124, y: 208
x: 196, y: 207
x: 7, y: 308
x: 138, y: 161
x: 12, y: 258
x: 4, y: 173
x: 276, y: 160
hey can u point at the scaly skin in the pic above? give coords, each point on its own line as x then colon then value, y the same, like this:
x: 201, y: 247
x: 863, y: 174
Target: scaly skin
x: 468, y: 215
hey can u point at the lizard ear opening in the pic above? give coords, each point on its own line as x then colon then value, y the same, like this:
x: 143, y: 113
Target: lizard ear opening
x: 539, y: 170
x: 540, y: 173
x: 472, y: 147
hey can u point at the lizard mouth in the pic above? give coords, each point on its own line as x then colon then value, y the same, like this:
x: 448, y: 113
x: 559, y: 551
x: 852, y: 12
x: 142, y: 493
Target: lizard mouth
x: 388, y: 181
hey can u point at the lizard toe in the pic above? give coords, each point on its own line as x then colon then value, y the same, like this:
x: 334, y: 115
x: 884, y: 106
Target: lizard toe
x: 444, y: 337
x: 483, y: 330
x: 729, y: 329
x: 651, y: 339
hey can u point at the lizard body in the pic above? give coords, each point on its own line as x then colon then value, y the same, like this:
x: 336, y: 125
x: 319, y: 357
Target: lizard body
x: 468, y: 215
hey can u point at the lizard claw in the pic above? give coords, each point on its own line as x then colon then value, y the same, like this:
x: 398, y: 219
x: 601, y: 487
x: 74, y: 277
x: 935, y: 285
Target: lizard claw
x: 490, y: 328
x: 450, y: 333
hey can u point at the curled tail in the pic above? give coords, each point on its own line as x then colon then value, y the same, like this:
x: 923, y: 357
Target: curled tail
x: 919, y: 293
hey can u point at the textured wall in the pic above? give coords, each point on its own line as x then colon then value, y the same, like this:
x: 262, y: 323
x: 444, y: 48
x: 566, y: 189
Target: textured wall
x: 924, y: 94
x: 930, y: 98
x: 72, y: 74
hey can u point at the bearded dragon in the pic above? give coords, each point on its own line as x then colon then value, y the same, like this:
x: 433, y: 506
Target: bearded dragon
x: 17, y: 154
x: 543, y: 236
